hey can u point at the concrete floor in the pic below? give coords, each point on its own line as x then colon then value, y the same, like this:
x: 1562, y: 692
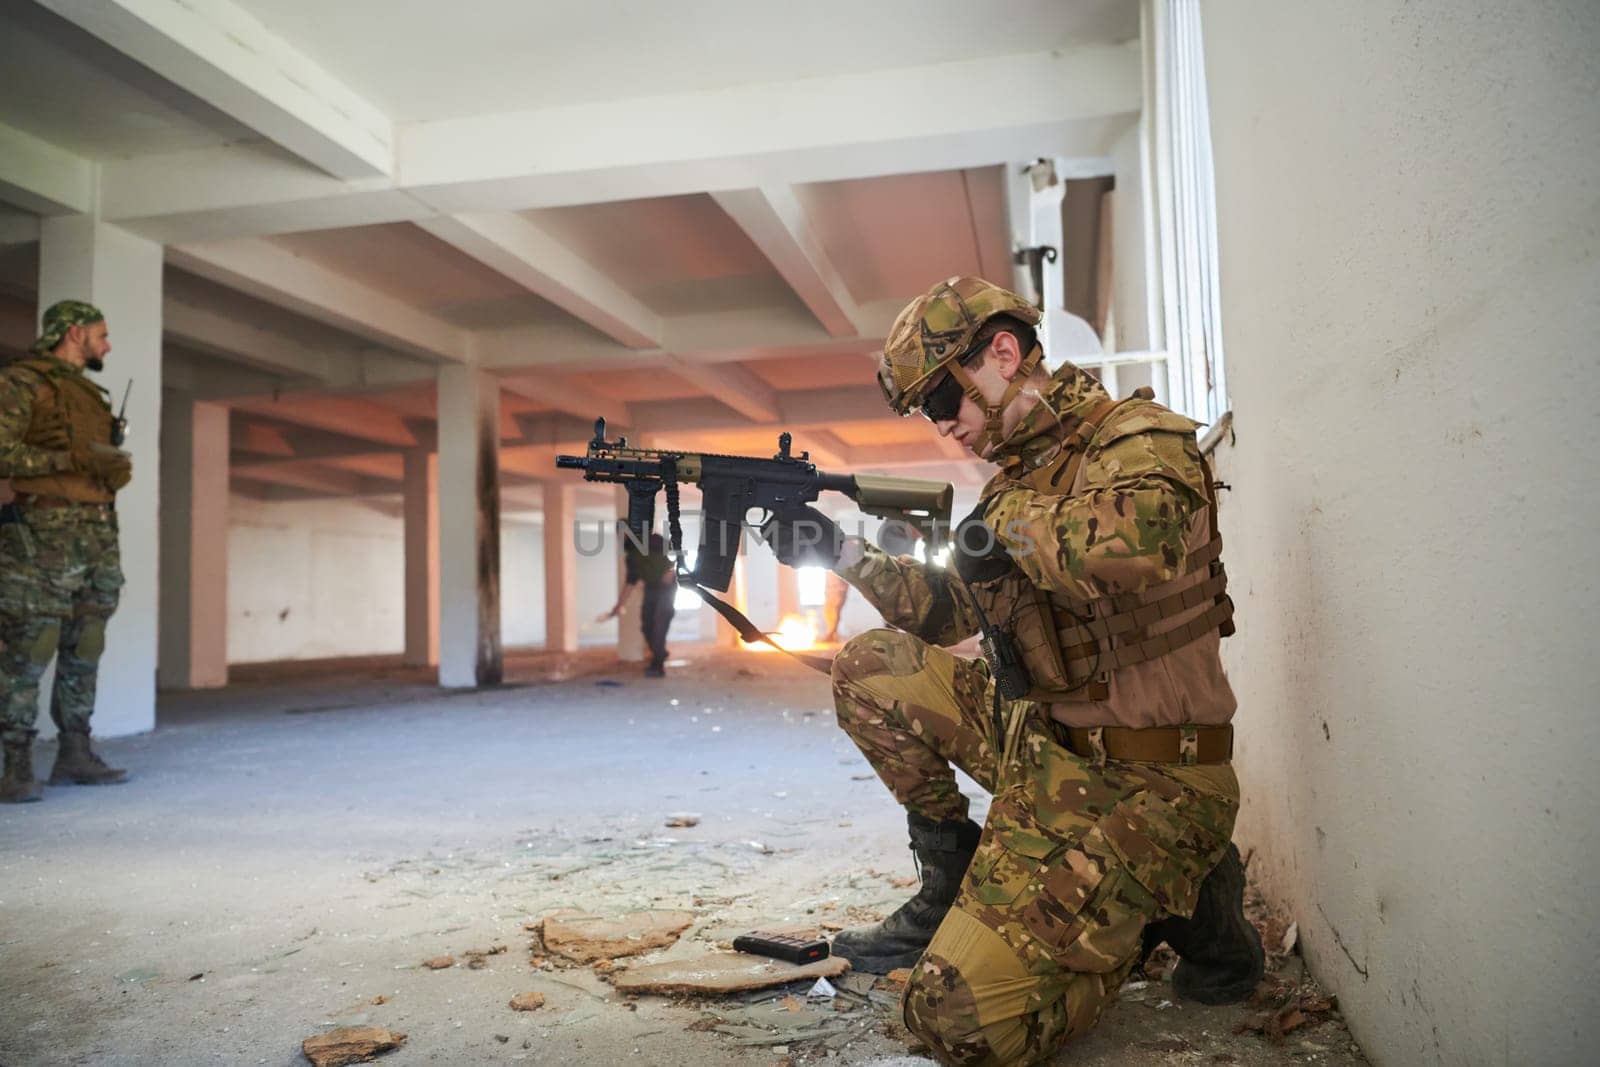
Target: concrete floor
x: 287, y: 852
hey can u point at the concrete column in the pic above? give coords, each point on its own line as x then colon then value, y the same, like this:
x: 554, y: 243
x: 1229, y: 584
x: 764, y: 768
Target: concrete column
x: 630, y: 639
x: 82, y: 259
x: 561, y: 568
x: 469, y: 528
x: 422, y: 557
x: 193, y: 635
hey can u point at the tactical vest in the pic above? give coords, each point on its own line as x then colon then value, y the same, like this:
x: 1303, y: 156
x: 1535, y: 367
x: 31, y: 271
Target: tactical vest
x: 86, y: 410
x: 1071, y: 646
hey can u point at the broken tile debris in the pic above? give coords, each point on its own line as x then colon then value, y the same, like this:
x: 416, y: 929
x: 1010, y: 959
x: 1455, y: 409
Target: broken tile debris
x: 350, y: 1044
x: 587, y: 938
x: 439, y: 963
x: 722, y: 972
x: 530, y: 1001
x: 478, y: 958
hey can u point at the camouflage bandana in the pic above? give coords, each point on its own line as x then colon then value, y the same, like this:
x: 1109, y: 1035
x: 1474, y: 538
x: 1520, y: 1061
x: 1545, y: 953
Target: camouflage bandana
x: 1072, y: 393
x: 60, y: 317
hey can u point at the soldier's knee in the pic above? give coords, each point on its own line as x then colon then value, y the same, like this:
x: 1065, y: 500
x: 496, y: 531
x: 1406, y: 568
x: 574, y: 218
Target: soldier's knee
x: 941, y: 1009
x: 876, y: 652
x: 44, y: 644
x: 91, y: 641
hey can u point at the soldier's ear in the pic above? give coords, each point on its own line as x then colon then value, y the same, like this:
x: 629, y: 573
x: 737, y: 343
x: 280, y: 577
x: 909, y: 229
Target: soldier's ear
x: 1007, y: 354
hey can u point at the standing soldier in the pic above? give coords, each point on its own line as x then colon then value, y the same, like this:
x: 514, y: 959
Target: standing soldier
x: 653, y: 572
x: 1093, y: 559
x: 60, y: 571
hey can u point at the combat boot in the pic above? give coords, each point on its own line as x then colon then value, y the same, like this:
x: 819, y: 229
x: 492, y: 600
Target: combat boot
x: 1219, y: 952
x: 76, y: 764
x: 943, y: 850
x: 17, y: 785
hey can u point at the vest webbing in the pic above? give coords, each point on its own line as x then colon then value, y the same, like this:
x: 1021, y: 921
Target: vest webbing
x: 1119, y: 638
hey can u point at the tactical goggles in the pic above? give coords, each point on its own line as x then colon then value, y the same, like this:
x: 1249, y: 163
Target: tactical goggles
x: 943, y: 401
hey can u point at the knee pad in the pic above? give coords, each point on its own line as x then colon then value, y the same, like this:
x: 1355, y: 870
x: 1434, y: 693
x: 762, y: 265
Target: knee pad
x: 941, y: 1010
x: 876, y: 652
x: 45, y: 644
x: 92, y: 642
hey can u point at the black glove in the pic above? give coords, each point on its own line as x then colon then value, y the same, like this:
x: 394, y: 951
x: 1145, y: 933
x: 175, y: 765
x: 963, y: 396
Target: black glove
x: 977, y: 553
x: 803, y: 537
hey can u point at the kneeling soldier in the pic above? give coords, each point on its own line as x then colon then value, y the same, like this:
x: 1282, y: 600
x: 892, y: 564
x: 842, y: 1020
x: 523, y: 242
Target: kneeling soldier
x: 1094, y: 554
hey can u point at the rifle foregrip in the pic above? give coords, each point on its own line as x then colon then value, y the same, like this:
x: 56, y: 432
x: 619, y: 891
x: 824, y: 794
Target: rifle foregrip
x: 642, y: 511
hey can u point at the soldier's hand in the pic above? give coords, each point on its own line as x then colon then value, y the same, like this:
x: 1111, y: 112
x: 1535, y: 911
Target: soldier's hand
x: 978, y: 554
x: 803, y: 537
x: 51, y: 435
x: 112, y: 466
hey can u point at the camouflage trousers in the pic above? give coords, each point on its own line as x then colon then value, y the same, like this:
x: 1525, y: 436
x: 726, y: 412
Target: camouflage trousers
x: 1075, y: 858
x: 60, y: 576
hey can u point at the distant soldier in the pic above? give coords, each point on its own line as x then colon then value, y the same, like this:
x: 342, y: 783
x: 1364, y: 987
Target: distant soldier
x: 654, y: 573
x: 1093, y: 555
x: 60, y: 569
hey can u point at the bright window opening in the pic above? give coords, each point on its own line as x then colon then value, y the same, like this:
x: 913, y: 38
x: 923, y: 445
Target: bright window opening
x: 813, y: 586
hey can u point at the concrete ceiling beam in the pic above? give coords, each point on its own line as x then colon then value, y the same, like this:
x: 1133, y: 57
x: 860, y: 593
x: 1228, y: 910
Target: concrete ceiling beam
x: 222, y: 335
x: 1078, y: 101
x: 563, y: 394
x: 728, y: 139
x: 222, y: 54
x: 346, y: 415
x: 778, y: 224
x: 38, y: 177
x: 272, y: 273
x: 739, y: 387
x: 17, y: 227
x: 829, y: 451
x: 248, y: 190
x: 525, y: 253
x: 258, y: 438
x: 312, y: 476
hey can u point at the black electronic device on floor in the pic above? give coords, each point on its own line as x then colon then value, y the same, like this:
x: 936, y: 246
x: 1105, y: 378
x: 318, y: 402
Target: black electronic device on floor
x: 782, y: 946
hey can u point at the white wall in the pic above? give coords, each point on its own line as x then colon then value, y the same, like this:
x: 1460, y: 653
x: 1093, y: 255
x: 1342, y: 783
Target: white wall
x: 522, y: 581
x: 315, y: 578
x: 1409, y: 207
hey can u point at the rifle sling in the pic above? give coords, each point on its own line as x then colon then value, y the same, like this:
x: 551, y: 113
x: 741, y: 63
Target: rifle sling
x: 747, y: 630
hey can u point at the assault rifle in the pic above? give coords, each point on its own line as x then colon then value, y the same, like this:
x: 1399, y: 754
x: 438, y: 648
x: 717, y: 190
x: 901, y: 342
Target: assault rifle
x: 730, y: 486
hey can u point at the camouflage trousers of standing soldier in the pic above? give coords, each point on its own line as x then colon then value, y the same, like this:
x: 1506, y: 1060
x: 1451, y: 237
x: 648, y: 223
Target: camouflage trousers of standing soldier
x: 60, y: 576
x: 1075, y: 859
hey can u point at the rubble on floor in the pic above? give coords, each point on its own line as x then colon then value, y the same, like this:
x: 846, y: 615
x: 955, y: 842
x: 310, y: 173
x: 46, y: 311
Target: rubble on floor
x: 350, y: 1044
x: 588, y: 938
x: 722, y: 972
x: 531, y: 1001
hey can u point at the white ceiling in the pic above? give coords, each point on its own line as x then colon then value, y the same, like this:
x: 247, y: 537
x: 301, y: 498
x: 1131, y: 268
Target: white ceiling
x: 402, y: 261
x: 421, y: 61
x: 377, y: 204
x: 63, y: 86
x: 664, y: 248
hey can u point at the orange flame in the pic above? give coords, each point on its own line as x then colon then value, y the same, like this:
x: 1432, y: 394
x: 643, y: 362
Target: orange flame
x: 795, y: 633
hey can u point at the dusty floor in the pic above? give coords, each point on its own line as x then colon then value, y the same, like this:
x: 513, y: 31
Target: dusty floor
x: 287, y: 854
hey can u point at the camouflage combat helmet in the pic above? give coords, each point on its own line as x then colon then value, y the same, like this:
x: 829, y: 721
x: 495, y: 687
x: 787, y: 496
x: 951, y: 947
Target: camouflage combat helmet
x: 60, y: 317
x: 932, y: 334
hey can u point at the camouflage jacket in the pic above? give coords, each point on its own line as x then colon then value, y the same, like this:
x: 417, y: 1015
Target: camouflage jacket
x: 1136, y: 507
x: 19, y: 387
